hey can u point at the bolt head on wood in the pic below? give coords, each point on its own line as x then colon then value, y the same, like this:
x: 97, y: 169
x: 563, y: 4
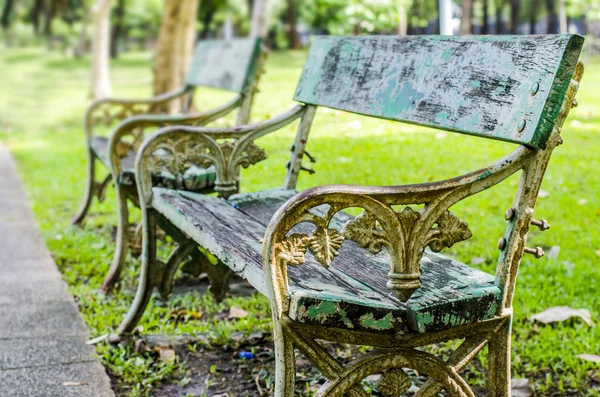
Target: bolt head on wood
x: 509, y: 214
x: 535, y: 89
x: 521, y: 126
x: 501, y: 243
x: 537, y: 252
x: 543, y: 225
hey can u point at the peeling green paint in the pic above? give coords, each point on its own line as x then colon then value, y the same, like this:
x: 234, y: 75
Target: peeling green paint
x: 322, y: 311
x: 413, y: 79
x: 368, y: 321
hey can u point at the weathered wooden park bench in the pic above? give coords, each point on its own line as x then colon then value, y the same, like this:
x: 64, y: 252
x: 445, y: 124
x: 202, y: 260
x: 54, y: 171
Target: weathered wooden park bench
x: 232, y: 65
x: 376, y: 279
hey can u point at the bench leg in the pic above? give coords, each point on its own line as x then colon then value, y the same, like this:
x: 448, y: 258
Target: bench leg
x: 114, y: 274
x: 89, y: 191
x: 285, y: 362
x: 219, y: 276
x: 151, y: 272
x: 499, y: 362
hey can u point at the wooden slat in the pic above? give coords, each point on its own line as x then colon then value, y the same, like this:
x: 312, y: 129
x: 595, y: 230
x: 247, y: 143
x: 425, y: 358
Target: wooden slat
x: 478, y: 85
x: 225, y: 64
x: 352, y: 293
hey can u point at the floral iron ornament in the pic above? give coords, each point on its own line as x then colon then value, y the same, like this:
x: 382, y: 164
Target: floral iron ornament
x: 175, y: 157
x: 364, y: 230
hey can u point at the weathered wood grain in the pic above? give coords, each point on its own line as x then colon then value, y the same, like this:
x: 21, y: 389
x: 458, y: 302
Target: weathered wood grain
x: 501, y: 87
x: 226, y: 64
x: 353, y: 293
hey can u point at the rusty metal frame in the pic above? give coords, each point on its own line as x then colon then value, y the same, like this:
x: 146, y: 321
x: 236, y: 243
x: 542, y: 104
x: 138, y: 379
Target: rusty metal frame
x: 405, y: 235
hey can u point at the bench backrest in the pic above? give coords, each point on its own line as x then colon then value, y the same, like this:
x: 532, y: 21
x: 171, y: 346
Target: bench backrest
x: 502, y: 87
x: 226, y: 64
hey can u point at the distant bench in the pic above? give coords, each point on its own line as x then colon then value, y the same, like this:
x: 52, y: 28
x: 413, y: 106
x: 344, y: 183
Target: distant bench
x: 231, y: 65
x: 376, y: 279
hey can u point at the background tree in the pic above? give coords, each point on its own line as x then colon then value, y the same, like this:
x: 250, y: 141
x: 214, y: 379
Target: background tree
x: 552, y: 16
x: 117, y: 28
x: 175, y: 45
x: 38, y: 8
x: 515, y: 6
x: 100, y: 13
x: 466, y: 19
x: 562, y: 17
x: 533, y: 13
x: 293, y: 36
x: 259, y: 26
x: 499, y: 11
x: 6, y: 14
x: 485, y: 25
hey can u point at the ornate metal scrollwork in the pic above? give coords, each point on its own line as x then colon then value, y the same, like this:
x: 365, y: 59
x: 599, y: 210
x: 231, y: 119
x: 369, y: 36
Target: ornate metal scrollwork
x: 394, y: 383
x: 177, y: 156
x: 365, y: 231
x: 112, y: 112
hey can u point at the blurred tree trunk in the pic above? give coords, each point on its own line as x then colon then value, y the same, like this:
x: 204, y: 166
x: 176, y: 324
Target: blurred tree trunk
x: 6, y: 14
x: 499, y: 9
x: 535, y: 8
x: 552, y: 16
x: 81, y: 46
x: 250, y: 8
x: 293, y: 36
x: 515, y: 8
x: 117, y: 29
x: 36, y: 11
x: 175, y: 47
x: 485, y: 26
x: 206, y: 21
x: 466, y: 20
x: 415, y: 12
x: 100, y: 13
x: 562, y: 17
x: 260, y: 20
x: 48, y: 18
x: 402, y: 20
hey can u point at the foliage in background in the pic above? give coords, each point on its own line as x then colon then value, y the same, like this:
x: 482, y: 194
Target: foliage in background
x: 349, y: 149
x: 63, y: 23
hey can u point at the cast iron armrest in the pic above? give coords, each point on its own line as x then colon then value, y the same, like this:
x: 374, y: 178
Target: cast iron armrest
x: 175, y: 149
x: 129, y: 134
x: 107, y: 111
x: 405, y: 234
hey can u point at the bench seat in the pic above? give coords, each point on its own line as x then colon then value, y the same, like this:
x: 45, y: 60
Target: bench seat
x: 195, y: 179
x: 352, y: 293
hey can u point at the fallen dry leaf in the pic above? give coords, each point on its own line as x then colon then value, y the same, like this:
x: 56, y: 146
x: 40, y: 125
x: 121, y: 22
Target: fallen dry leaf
x: 166, y: 355
x: 589, y: 357
x: 72, y: 384
x: 522, y: 388
x: 184, y: 313
x: 237, y: 312
x: 562, y: 313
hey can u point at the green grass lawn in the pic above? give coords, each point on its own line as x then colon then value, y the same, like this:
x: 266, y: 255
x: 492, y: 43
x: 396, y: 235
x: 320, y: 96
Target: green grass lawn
x: 42, y: 100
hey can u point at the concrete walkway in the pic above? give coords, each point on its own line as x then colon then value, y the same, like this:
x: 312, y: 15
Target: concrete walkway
x: 42, y: 338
